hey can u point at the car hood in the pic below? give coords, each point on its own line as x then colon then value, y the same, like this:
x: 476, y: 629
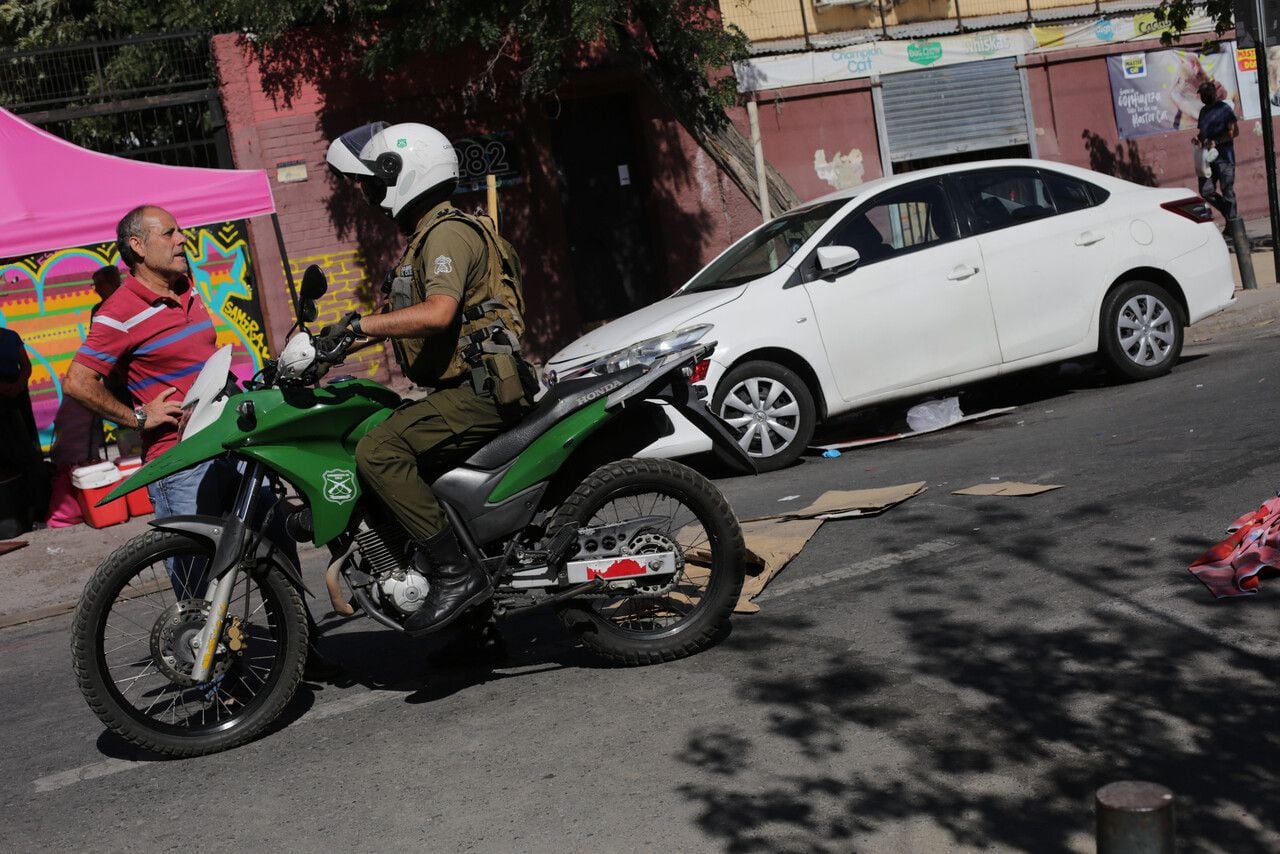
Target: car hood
x: 665, y: 315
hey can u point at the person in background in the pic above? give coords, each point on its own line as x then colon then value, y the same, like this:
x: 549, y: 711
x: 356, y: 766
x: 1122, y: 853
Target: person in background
x: 1217, y: 133
x: 21, y: 458
x: 106, y: 281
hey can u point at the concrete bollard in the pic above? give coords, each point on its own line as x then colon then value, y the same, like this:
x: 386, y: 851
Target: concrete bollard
x: 1134, y: 818
x: 1244, y: 253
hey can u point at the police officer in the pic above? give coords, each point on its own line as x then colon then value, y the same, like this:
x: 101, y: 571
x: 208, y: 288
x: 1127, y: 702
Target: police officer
x: 455, y: 319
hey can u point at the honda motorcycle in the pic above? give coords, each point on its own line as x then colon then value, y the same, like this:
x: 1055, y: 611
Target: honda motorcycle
x: 192, y: 637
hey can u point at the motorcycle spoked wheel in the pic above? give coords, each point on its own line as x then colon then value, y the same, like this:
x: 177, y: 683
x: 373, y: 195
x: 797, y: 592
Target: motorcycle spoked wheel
x: 678, y: 618
x: 130, y: 647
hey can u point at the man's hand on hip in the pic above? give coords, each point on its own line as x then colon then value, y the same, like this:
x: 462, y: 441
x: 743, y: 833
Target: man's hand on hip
x: 162, y: 412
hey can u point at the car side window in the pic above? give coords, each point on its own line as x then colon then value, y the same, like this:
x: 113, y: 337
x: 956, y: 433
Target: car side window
x: 897, y: 222
x: 1071, y: 194
x: 999, y: 198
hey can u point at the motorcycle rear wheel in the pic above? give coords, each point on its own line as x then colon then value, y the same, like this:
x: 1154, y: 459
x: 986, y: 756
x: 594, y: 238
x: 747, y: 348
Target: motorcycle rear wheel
x: 130, y: 645
x: 636, y: 628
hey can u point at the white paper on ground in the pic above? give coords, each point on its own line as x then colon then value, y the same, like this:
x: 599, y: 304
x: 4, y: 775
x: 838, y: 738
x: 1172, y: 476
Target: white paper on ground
x: 892, y: 437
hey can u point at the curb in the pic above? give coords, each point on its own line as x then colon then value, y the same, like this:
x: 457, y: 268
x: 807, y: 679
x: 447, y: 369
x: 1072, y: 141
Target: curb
x: 1253, y: 308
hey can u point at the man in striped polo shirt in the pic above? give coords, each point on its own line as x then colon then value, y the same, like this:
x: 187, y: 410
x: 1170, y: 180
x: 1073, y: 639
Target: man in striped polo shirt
x: 155, y: 333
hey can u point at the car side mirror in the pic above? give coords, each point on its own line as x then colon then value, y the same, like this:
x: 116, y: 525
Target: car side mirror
x: 834, y: 260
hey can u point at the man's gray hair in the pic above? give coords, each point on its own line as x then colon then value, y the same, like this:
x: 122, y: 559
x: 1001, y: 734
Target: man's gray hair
x: 130, y: 226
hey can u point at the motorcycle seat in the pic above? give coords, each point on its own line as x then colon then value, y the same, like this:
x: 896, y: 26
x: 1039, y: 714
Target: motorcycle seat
x: 561, y: 400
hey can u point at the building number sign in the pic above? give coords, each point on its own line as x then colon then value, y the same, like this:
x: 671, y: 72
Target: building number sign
x: 489, y: 154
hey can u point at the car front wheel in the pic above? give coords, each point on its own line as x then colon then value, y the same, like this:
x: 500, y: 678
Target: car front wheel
x: 770, y: 411
x: 1141, y: 330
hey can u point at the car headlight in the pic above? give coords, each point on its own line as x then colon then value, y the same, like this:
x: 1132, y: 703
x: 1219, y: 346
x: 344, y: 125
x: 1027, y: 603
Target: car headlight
x: 650, y: 350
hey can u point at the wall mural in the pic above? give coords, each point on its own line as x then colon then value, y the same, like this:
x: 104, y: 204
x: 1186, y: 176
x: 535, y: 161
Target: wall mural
x: 47, y: 299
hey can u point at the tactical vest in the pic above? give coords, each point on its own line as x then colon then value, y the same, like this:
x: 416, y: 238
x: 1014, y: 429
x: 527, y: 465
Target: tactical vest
x: 492, y: 315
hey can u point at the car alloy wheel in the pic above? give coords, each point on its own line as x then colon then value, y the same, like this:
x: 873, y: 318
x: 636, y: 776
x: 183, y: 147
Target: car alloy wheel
x: 1145, y: 329
x: 763, y: 414
x: 1141, y: 330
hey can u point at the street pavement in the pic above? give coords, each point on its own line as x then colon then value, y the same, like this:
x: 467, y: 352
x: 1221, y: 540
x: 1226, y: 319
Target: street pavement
x: 959, y: 674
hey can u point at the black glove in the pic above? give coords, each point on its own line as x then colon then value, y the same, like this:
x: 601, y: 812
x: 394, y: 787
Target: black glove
x: 335, y: 339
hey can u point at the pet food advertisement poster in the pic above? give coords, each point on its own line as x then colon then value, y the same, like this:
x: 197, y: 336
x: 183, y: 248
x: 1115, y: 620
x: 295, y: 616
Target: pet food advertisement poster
x: 1158, y: 91
x: 1247, y: 74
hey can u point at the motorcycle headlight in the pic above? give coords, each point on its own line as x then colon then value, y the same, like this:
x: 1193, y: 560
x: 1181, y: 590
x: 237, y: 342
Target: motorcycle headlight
x: 650, y: 350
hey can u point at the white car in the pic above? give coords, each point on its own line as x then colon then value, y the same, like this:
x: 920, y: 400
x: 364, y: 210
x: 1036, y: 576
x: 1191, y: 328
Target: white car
x: 914, y: 283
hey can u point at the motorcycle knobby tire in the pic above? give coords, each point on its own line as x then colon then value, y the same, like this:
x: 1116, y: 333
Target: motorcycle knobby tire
x: 704, y: 626
x: 95, y: 684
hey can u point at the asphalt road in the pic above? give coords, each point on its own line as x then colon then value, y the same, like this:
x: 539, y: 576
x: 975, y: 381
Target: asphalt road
x: 969, y: 692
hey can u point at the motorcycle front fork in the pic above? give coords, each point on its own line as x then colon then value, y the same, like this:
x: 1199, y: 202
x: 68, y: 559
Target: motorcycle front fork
x: 218, y: 593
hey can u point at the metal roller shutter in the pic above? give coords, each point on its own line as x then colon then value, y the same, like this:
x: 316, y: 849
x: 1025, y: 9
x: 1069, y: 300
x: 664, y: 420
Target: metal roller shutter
x: 956, y: 108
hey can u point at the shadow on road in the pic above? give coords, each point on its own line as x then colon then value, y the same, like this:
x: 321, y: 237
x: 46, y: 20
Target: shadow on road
x: 1006, y: 712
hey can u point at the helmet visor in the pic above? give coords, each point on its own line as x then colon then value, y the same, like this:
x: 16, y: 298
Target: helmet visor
x: 355, y: 140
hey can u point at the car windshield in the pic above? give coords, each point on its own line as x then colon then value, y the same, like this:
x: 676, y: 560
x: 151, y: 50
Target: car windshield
x: 764, y: 250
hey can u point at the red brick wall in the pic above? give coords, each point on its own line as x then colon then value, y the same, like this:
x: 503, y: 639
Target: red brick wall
x: 821, y: 138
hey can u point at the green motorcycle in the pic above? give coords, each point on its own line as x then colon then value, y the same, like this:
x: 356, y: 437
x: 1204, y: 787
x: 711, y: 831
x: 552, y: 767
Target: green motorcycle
x: 192, y: 637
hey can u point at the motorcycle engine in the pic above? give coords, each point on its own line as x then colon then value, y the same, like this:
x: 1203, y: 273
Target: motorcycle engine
x: 405, y: 590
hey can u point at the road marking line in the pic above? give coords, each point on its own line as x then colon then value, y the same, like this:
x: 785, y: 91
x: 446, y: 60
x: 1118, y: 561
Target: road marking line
x: 94, y: 770
x: 91, y: 771
x: 859, y: 569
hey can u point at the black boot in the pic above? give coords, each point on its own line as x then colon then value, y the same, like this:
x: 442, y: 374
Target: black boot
x: 455, y: 584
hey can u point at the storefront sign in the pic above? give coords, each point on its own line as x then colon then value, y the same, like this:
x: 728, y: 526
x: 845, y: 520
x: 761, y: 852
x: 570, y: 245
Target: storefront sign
x: 890, y: 57
x: 1247, y: 74
x: 1158, y: 92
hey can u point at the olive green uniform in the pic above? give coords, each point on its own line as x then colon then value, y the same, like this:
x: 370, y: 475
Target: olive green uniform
x: 423, y: 439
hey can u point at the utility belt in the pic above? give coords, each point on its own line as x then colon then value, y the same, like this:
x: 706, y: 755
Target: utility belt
x: 492, y: 353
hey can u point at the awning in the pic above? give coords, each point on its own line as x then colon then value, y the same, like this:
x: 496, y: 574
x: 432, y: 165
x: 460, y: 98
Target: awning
x: 55, y: 195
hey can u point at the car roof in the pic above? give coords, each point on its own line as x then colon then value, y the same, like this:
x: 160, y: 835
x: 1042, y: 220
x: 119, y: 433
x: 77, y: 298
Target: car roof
x: 877, y: 184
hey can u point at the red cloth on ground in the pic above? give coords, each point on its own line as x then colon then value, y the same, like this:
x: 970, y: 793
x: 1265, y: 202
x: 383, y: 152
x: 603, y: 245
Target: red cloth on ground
x: 1231, y: 567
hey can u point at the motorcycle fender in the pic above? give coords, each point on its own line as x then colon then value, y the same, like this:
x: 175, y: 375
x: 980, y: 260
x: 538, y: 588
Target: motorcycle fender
x: 228, y: 536
x: 724, y: 445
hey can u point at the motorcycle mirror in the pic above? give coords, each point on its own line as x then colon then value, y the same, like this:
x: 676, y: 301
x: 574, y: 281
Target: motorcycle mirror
x: 307, y: 310
x: 314, y: 285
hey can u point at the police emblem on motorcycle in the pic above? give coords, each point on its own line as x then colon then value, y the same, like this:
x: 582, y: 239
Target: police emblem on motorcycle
x: 339, y: 486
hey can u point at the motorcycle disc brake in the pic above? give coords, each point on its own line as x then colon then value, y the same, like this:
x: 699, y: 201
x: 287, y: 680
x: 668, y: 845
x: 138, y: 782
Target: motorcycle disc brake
x: 171, y: 638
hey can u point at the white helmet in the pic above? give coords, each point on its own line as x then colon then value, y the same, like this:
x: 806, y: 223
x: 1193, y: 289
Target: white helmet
x: 396, y: 163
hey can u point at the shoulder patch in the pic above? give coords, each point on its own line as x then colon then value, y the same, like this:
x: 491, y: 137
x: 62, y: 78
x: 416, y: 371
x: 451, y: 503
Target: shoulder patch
x: 443, y: 264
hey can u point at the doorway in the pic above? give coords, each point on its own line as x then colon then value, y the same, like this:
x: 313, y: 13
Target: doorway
x: 602, y: 188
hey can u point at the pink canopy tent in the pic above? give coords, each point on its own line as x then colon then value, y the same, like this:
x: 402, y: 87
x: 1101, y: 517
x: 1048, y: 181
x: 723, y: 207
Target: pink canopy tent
x: 55, y: 195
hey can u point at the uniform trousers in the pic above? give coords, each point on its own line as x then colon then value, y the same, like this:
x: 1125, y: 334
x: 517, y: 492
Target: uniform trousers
x: 421, y: 441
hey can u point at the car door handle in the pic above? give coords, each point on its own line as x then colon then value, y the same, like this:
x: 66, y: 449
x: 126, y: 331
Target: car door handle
x: 1088, y: 238
x: 962, y: 272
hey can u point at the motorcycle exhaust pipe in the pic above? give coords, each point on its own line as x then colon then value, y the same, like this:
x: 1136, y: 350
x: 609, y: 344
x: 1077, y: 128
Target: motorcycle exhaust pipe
x: 340, y: 604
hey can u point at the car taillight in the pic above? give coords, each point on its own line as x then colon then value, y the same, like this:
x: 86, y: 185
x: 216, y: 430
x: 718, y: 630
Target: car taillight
x: 700, y: 371
x: 1195, y: 209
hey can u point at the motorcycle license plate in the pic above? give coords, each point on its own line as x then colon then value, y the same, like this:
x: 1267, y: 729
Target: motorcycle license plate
x: 616, y: 569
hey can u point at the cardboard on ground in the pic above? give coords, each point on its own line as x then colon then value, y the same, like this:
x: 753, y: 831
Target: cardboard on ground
x: 1008, y: 487
x: 773, y: 541
x: 892, y: 437
x: 844, y: 504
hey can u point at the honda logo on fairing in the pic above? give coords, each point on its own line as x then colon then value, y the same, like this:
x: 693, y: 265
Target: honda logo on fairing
x: 592, y: 395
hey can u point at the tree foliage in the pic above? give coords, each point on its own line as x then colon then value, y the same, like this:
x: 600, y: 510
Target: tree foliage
x: 1178, y: 14
x: 679, y: 46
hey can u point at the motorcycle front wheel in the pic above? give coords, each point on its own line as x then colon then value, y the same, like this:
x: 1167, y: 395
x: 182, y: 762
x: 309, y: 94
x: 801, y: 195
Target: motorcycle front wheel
x: 673, y: 618
x: 133, y: 654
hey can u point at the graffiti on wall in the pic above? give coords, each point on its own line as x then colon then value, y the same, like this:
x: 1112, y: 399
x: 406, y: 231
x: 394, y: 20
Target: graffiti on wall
x: 349, y: 290
x: 47, y: 299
